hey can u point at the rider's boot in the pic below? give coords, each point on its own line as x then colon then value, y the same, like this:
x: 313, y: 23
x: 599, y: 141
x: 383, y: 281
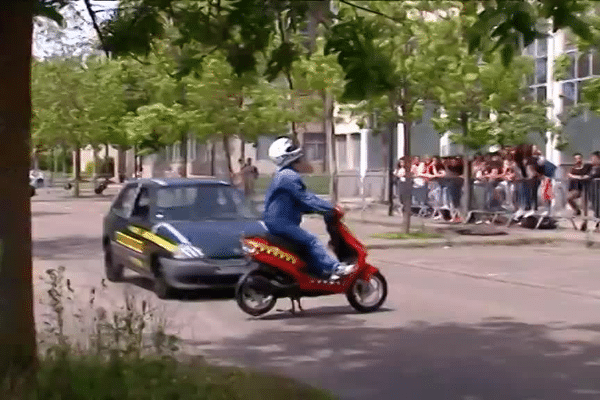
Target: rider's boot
x: 341, y: 270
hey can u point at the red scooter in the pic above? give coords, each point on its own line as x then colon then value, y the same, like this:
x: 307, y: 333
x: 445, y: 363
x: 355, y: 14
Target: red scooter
x: 280, y: 271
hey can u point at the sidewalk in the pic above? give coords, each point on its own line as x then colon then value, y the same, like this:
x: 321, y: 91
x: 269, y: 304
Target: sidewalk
x: 364, y: 222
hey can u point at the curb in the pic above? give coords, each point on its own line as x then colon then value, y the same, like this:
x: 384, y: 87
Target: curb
x: 466, y: 243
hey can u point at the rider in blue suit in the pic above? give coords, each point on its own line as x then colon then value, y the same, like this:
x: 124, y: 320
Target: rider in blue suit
x: 287, y: 200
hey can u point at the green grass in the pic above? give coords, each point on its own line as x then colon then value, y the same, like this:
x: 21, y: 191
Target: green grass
x: 88, y: 378
x: 318, y: 184
x: 412, y: 235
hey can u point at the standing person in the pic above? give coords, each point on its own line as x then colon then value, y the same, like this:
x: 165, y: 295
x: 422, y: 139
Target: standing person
x: 454, y: 172
x: 576, y: 181
x: 592, y: 174
x: 249, y: 174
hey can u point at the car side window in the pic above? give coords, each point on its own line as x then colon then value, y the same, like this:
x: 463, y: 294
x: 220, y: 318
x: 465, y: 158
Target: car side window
x: 142, y: 205
x: 124, y: 204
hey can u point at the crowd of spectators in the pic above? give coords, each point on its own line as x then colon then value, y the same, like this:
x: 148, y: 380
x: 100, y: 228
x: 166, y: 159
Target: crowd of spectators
x: 508, y: 180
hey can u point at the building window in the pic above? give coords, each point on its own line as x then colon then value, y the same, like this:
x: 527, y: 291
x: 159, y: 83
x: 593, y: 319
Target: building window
x: 541, y: 94
x: 342, y: 159
x: 176, y: 156
x: 192, y: 146
x: 583, y: 67
x: 569, y: 94
x: 355, y: 142
x: 314, y: 146
x: 538, y: 80
x: 262, y: 147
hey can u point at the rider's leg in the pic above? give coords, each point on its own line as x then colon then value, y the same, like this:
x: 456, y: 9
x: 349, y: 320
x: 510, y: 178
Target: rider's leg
x: 316, y: 251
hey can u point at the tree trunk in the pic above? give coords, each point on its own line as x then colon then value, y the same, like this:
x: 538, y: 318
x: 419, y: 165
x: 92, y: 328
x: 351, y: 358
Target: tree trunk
x: 407, y: 196
x: 36, y: 161
x: 122, y: 166
x: 65, y: 169
x: 393, y: 128
x: 96, y: 162
x: 135, y: 161
x: 184, y: 154
x: 17, y: 327
x: 77, y: 171
x: 329, y: 129
x: 228, y: 156
x: 467, y: 192
x: 54, y: 169
x: 212, y: 158
x: 106, y: 164
x: 243, y: 149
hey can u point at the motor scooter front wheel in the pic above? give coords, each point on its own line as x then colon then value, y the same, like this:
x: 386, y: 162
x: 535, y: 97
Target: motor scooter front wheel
x: 252, y: 301
x: 368, y: 296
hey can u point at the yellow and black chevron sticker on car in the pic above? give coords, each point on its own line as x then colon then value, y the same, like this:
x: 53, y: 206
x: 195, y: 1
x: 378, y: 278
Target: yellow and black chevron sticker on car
x: 146, y: 234
x: 129, y: 242
x: 137, y: 262
x: 273, y: 250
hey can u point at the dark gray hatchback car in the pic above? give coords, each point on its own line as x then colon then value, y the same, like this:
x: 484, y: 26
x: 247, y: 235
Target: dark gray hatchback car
x: 182, y: 233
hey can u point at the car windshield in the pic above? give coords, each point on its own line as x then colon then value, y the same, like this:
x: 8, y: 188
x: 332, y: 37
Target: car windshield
x: 202, y: 202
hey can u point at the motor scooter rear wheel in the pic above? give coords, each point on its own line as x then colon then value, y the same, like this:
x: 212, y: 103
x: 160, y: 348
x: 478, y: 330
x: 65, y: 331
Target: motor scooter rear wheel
x: 252, y: 301
x: 368, y: 296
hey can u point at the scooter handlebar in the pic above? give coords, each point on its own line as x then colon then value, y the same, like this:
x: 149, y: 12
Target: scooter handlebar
x: 339, y: 211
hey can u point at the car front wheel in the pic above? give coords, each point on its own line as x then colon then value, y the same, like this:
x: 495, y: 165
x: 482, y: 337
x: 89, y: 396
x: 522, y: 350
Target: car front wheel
x: 114, y: 272
x: 161, y: 287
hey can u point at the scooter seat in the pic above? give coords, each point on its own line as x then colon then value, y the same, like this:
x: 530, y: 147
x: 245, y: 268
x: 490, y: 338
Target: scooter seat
x: 285, y: 244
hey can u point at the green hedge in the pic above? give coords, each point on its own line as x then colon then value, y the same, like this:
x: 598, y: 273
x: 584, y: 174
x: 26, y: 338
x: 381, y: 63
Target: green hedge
x: 318, y: 184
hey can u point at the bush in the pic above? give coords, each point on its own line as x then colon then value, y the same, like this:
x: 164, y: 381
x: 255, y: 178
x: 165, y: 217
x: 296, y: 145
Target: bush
x: 106, y: 167
x: 156, y: 378
x: 127, y: 355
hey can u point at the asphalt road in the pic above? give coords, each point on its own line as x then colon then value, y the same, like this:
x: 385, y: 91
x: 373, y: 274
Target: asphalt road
x: 459, y: 323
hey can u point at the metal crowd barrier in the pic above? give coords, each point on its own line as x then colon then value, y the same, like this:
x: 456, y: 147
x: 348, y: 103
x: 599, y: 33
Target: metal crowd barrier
x: 447, y: 193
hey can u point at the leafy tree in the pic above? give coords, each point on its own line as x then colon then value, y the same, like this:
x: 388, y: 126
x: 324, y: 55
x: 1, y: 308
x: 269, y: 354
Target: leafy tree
x: 77, y: 105
x: 386, y: 66
x: 471, y: 89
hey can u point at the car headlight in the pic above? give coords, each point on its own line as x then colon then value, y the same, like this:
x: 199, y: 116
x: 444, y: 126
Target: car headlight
x: 247, y: 247
x: 187, y: 251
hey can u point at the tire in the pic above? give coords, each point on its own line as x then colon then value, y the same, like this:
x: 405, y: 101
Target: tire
x: 114, y: 273
x: 354, y: 298
x: 31, y: 191
x: 241, y: 292
x: 161, y: 287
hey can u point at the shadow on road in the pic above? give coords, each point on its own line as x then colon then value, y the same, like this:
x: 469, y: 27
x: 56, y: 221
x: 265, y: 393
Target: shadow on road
x: 35, y: 214
x: 69, y: 199
x: 497, y: 359
x: 315, y: 312
x: 67, y: 248
x: 183, y: 295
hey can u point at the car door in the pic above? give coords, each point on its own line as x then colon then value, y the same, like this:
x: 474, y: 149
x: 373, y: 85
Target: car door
x: 139, y: 225
x: 125, y: 245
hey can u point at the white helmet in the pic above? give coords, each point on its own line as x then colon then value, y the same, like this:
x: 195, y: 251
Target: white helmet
x: 283, y: 152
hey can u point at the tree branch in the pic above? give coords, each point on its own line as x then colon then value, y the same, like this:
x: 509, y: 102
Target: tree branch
x: 370, y: 11
x: 88, y: 5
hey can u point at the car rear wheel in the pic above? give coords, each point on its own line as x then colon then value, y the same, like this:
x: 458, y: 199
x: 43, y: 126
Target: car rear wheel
x: 114, y: 272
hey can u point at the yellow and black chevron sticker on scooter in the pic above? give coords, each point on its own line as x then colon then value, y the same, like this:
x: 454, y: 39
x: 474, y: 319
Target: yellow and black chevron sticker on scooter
x: 273, y: 250
x: 146, y: 234
x: 129, y: 242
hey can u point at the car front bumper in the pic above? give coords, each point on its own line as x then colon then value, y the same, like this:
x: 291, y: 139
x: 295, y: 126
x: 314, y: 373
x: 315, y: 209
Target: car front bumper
x: 203, y: 273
